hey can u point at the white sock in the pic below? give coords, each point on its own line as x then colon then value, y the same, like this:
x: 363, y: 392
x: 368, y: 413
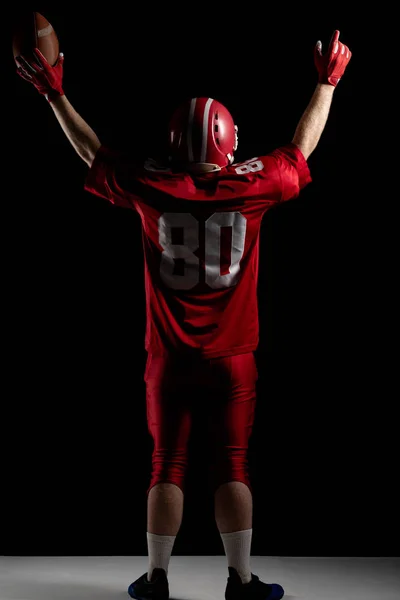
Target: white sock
x: 159, y: 548
x: 237, y: 549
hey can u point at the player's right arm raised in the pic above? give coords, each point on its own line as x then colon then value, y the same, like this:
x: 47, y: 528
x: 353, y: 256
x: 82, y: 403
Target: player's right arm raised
x: 48, y: 81
x: 330, y: 67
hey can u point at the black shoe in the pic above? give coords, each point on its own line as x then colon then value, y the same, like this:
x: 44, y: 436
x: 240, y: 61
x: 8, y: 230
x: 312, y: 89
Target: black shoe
x: 156, y: 589
x: 254, y: 590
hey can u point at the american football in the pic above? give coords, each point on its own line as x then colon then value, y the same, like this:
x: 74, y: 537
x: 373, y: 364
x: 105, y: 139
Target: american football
x: 33, y: 30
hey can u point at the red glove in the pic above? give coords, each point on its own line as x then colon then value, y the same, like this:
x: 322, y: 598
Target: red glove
x: 331, y: 65
x: 46, y: 79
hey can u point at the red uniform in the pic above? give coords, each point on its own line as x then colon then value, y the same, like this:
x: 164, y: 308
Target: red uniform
x: 201, y: 244
x: 201, y: 241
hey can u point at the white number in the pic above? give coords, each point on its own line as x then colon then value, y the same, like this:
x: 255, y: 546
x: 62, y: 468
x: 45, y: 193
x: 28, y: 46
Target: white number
x: 190, y: 227
x: 190, y: 243
x: 250, y: 166
x: 237, y: 222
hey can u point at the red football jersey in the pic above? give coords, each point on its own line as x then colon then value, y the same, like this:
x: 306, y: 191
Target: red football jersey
x: 201, y: 244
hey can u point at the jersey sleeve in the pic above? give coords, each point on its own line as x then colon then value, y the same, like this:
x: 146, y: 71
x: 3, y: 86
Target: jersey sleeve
x: 293, y: 170
x: 113, y: 176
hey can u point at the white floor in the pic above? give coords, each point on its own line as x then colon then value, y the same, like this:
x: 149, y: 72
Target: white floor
x: 197, y: 577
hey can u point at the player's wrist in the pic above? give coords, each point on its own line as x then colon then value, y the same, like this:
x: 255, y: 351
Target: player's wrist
x: 326, y: 87
x: 325, y: 79
x: 53, y: 95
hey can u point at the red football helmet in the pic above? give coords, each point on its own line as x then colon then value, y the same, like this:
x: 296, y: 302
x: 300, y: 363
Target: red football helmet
x: 202, y: 131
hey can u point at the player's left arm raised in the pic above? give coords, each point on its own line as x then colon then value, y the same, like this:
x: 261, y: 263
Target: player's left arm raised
x: 48, y: 80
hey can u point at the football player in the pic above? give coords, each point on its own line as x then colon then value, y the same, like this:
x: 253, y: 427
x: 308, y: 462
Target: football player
x: 201, y: 215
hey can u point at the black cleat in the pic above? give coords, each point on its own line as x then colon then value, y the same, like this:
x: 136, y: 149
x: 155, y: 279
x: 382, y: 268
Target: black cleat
x: 156, y: 589
x: 254, y: 590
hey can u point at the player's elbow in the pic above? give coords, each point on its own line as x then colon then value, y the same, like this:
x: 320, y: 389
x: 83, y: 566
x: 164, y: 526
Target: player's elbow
x: 305, y: 148
x: 88, y: 153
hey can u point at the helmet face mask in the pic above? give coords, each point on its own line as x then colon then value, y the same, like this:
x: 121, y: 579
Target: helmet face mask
x: 236, y: 138
x: 202, y: 135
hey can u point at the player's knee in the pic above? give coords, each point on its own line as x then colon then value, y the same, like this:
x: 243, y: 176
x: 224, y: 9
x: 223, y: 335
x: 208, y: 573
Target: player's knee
x: 169, y: 466
x: 178, y: 483
x: 231, y: 466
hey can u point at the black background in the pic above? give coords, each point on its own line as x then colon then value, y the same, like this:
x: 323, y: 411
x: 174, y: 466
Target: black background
x: 76, y: 453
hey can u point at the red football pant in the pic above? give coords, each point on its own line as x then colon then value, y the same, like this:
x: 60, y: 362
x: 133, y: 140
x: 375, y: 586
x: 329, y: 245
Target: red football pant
x: 223, y: 390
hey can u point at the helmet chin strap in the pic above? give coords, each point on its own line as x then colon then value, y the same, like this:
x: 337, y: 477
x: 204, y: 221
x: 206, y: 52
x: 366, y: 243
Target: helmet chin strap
x: 199, y: 167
